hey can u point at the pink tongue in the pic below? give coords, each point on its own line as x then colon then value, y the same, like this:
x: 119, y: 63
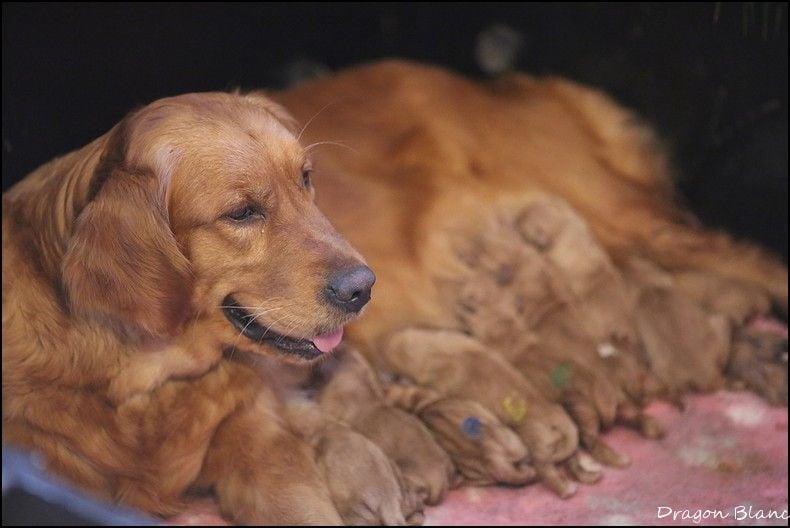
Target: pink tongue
x: 326, y: 342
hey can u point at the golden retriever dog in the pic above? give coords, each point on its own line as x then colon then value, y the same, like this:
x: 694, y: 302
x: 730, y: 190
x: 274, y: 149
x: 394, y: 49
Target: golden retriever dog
x: 138, y: 270
x: 130, y: 265
x: 687, y: 347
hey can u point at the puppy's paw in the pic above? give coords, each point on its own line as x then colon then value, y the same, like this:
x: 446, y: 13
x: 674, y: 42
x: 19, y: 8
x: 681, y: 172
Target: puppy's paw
x: 587, y: 416
x: 631, y: 415
x: 605, y: 454
x: 584, y: 468
x: 759, y: 362
x: 553, y: 478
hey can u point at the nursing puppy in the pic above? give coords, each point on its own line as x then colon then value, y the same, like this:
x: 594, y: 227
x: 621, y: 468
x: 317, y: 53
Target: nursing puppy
x: 483, y: 449
x: 366, y: 486
x: 187, y: 230
x: 353, y: 395
x: 686, y: 346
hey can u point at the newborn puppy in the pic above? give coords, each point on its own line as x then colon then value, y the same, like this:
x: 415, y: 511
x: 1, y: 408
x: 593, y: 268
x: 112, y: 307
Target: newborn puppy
x: 759, y: 362
x: 738, y: 300
x: 758, y: 359
x: 687, y: 348
x: 457, y: 366
x: 365, y: 485
x: 353, y: 395
x: 484, y: 451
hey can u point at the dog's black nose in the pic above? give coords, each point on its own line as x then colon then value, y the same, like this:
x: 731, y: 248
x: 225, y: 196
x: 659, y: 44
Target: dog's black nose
x: 349, y: 289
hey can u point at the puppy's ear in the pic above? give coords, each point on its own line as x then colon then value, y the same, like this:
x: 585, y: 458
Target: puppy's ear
x: 122, y: 262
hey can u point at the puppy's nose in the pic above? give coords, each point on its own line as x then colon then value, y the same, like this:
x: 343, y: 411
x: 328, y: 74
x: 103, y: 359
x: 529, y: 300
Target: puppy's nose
x: 349, y: 289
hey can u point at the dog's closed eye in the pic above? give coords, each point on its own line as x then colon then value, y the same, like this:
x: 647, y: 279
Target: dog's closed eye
x: 245, y: 213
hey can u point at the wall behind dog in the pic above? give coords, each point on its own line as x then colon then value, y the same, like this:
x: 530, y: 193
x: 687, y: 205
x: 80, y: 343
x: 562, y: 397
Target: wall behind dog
x: 711, y: 77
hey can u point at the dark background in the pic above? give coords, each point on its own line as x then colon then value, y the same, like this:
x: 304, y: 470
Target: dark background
x: 711, y: 77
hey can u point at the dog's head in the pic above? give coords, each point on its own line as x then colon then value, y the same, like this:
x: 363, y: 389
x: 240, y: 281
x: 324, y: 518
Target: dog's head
x: 201, y: 208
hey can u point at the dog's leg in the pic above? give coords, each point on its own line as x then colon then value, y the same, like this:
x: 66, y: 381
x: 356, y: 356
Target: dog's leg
x: 686, y: 348
x: 58, y: 457
x: 145, y: 371
x: 264, y: 474
x: 192, y: 355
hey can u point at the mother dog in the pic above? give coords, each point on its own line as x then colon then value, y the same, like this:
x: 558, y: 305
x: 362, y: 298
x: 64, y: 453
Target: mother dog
x: 187, y: 230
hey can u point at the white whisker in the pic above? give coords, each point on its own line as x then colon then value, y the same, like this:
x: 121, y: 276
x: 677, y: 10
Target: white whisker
x: 312, y: 118
x: 335, y: 143
x: 254, y: 316
x: 269, y: 326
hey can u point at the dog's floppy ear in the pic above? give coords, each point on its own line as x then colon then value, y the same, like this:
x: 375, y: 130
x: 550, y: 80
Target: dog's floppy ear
x: 122, y: 261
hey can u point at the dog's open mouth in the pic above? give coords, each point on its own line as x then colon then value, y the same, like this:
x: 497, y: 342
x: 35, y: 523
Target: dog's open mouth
x: 305, y: 348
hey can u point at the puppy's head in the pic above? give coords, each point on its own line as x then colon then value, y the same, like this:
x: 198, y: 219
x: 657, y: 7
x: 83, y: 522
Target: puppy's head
x: 201, y: 209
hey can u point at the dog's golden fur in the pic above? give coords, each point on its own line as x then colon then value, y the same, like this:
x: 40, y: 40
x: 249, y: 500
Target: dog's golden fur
x: 431, y: 155
x: 118, y: 257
